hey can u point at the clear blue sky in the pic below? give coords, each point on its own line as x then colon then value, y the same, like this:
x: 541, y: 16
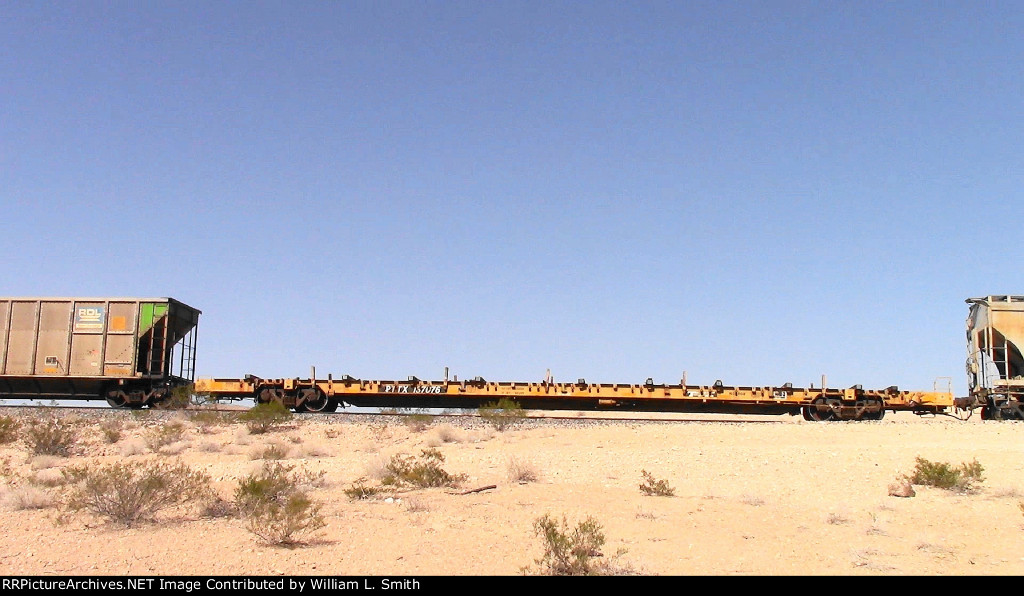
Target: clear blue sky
x: 757, y: 192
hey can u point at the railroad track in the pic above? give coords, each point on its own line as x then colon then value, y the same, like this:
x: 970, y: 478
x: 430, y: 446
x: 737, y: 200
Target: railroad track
x: 537, y: 417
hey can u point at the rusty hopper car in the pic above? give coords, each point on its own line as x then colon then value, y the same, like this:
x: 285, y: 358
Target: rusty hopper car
x: 130, y: 351
x: 995, y: 367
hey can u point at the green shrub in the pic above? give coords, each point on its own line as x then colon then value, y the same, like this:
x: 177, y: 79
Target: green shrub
x: 503, y: 413
x: 179, y: 399
x: 944, y: 475
x: 276, y: 506
x: 51, y: 435
x: 569, y: 551
x: 360, y: 490
x: 8, y: 429
x: 422, y: 473
x: 652, y: 486
x: 133, y: 492
x: 266, y: 417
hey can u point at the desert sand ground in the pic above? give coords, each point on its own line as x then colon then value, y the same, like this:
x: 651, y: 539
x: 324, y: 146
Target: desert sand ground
x: 753, y: 496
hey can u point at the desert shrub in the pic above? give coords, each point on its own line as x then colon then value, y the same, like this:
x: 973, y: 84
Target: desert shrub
x: 522, y: 471
x: 502, y: 414
x: 165, y: 434
x: 424, y: 472
x: 414, y: 505
x: 207, y: 419
x: 569, y: 551
x: 49, y: 478
x: 276, y: 506
x: 111, y: 430
x: 8, y: 429
x: 133, y: 492
x: 418, y: 422
x: 943, y: 475
x: 270, y: 451
x: 179, y: 399
x: 51, y: 435
x: 447, y: 434
x: 655, y: 487
x: 360, y: 490
x: 266, y: 417
x: 27, y: 497
x: 218, y: 507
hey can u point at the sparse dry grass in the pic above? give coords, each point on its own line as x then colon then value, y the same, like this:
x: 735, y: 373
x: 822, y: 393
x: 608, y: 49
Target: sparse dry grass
x: 270, y: 451
x: 522, y: 471
x: 27, y: 497
x: 49, y: 477
x: 447, y: 433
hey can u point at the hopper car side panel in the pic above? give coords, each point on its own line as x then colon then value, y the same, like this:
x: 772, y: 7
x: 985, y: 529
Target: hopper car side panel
x: 129, y: 351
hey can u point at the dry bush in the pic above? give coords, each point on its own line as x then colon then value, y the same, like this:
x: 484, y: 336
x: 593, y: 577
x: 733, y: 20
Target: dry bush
x: 27, y: 497
x: 276, y: 506
x: 271, y: 451
x: 218, y: 507
x: 133, y: 492
x: 242, y: 437
x: 51, y: 435
x: 208, y: 420
x: 654, y: 487
x: 209, y: 447
x: 416, y: 505
x: 377, y: 469
x: 424, y: 472
x: 111, y: 430
x: 380, y: 432
x: 314, y: 450
x: 361, y: 491
x: 9, y: 429
x: 43, y: 462
x: 752, y: 500
x: 446, y: 433
x: 522, y: 471
x: 165, y: 434
x: 418, y: 422
x: 132, y: 446
x: 49, y: 477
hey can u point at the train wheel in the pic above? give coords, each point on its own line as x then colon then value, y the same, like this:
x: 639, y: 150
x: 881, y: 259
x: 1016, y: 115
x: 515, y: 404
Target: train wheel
x: 321, y: 403
x: 265, y: 395
x: 116, y: 399
x: 819, y: 411
x: 874, y: 415
x: 991, y: 412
